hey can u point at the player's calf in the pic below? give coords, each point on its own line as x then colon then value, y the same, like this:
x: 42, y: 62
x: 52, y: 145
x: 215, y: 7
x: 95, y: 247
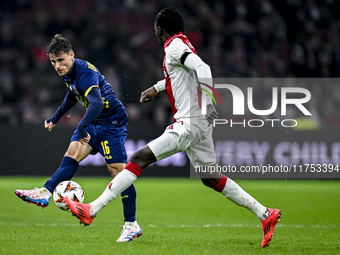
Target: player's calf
x: 210, y: 179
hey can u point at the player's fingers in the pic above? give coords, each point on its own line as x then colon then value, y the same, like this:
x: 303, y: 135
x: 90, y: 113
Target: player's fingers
x: 210, y: 119
x: 212, y: 116
x: 146, y: 99
x: 85, y: 140
x: 142, y: 96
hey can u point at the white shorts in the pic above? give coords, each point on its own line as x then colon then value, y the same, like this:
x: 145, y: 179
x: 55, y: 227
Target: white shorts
x: 191, y: 135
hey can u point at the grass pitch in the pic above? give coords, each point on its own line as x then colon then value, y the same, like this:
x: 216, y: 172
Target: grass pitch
x: 178, y: 216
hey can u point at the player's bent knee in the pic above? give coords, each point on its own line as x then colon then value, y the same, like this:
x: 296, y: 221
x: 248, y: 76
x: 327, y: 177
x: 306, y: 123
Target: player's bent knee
x: 115, y: 168
x: 77, y: 151
x: 210, y: 179
x: 113, y: 172
x: 143, y: 157
x: 209, y: 182
x: 73, y: 154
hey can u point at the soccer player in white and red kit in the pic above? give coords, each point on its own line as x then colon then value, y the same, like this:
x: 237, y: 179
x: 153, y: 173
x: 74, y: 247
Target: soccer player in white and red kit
x: 190, y: 131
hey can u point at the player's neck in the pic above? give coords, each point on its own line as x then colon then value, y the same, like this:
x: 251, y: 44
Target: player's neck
x: 71, y: 67
x: 165, y: 37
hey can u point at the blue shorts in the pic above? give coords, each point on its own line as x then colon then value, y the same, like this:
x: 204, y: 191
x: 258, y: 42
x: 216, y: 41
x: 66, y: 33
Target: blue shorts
x: 108, y: 139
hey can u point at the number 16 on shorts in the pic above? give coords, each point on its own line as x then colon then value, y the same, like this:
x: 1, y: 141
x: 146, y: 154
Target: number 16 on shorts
x: 106, y: 149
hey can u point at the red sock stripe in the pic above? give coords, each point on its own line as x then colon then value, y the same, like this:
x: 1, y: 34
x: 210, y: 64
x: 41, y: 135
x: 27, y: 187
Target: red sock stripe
x: 132, y: 167
x: 221, y: 184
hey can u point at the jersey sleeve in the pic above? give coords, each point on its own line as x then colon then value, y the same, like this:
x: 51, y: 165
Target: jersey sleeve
x: 87, y: 81
x: 93, y: 111
x: 175, y: 51
x: 159, y: 86
x: 69, y: 101
x: 203, y: 72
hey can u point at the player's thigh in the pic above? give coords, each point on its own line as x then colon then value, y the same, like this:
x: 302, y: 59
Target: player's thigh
x: 170, y: 142
x: 202, y: 153
x: 109, y: 141
x: 78, y: 151
x: 115, y: 168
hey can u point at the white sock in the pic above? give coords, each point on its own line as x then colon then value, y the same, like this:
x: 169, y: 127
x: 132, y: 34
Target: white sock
x: 120, y: 183
x: 235, y: 193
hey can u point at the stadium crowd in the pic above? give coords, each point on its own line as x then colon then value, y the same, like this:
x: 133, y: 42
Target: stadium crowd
x: 237, y: 38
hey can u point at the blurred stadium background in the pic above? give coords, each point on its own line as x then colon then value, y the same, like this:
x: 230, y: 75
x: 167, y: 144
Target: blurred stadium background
x: 237, y: 38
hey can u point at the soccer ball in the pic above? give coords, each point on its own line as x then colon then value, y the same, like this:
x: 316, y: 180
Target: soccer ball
x: 69, y: 189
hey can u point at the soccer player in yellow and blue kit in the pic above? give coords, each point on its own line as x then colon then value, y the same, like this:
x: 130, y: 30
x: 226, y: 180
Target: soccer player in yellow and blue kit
x: 103, y: 129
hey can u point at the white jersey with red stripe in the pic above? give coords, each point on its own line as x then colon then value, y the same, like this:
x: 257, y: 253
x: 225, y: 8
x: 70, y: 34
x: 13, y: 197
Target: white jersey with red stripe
x: 180, y: 81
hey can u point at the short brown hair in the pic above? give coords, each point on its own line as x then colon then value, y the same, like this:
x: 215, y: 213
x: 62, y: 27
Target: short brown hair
x: 58, y: 45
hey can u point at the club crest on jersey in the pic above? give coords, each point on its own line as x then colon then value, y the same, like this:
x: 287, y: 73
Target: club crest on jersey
x: 74, y: 90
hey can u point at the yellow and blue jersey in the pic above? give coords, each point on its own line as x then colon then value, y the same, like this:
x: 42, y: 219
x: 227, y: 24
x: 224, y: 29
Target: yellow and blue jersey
x: 83, y: 78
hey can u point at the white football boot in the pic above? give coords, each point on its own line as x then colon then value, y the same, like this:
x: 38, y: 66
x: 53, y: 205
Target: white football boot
x: 131, y: 230
x: 41, y: 197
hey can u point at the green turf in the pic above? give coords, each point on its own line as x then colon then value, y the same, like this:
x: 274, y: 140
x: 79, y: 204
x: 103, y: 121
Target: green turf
x: 178, y: 216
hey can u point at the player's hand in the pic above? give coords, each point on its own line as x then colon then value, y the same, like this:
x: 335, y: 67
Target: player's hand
x: 85, y: 140
x: 211, y: 114
x: 49, y: 125
x: 147, y: 95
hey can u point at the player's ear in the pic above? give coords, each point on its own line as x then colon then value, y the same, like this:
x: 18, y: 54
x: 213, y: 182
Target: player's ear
x: 72, y: 54
x: 161, y: 30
